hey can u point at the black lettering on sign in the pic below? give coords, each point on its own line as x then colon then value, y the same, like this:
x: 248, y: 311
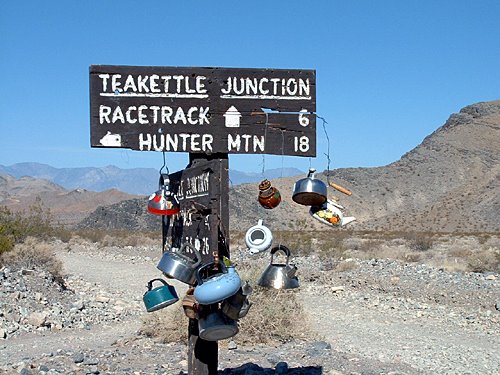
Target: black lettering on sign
x: 203, y: 110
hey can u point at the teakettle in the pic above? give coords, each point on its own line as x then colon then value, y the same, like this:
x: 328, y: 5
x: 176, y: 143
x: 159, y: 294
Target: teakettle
x: 331, y: 213
x: 310, y: 191
x: 237, y: 306
x: 258, y: 238
x: 217, y: 287
x: 279, y: 276
x: 163, y: 201
x: 180, y: 266
x: 159, y: 297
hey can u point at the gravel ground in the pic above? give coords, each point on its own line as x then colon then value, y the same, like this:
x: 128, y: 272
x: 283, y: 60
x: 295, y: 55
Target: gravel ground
x: 375, y: 317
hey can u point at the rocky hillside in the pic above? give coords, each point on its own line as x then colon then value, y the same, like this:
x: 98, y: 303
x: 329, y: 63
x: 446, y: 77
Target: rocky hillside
x: 450, y: 182
x: 130, y: 215
x: 67, y: 207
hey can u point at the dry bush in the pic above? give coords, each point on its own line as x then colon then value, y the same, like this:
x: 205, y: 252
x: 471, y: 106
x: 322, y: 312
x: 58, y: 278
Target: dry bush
x: 33, y: 254
x: 119, y: 238
x: 37, y: 221
x: 413, y: 257
x: 92, y: 235
x: 346, y: 265
x: 166, y: 325
x: 485, y: 260
x: 275, y: 316
x: 418, y: 241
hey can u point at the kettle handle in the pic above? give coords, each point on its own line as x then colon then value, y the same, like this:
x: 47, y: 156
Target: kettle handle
x: 211, y: 264
x: 164, y: 181
x: 195, y: 251
x: 150, y: 283
x: 311, y: 173
x: 283, y: 248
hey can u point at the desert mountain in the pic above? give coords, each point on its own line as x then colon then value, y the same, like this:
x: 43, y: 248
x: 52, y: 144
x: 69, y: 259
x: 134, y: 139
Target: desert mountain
x: 67, y: 207
x: 138, y: 181
x: 448, y: 183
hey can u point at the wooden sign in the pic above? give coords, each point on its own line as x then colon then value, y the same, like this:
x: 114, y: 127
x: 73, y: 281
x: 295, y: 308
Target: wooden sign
x: 202, y: 220
x: 204, y: 110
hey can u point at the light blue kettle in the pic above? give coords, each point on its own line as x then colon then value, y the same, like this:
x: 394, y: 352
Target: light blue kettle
x: 218, y: 287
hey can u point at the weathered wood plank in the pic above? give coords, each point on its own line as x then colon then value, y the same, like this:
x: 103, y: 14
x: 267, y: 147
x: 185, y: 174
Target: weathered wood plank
x: 192, y: 109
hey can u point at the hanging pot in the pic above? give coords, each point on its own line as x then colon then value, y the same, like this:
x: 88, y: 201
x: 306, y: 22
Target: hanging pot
x: 269, y: 196
x: 163, y: 201
x: 179, y: 266
x: 215, y: 326
x: 237, y: 306
x: 217, y: 287
x: 279, y: 276
x: 258, y: 238
x: 160, y: 297
x: 310, y: 191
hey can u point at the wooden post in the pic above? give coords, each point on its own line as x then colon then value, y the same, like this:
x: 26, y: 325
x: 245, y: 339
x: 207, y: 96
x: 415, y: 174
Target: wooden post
x: 203, y: 356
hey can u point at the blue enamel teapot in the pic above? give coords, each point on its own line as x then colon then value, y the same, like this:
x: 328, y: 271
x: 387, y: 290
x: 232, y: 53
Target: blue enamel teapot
x: 218, y: 287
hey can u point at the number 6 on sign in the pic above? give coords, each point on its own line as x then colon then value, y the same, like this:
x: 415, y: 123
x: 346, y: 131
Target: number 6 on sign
x: 303, y: 120
x: 301, y: 143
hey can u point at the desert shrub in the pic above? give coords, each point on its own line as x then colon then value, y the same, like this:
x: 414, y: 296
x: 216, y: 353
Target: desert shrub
x: 485, y: 260
x: 413, y: 257
x: 418, y: 241
x: 36, y: 222
x: 166, y: 325
x: 10, y: 229
x: 32, y: 254
x: 275, y: 316
x: 119, y: 238
x: 346, y: 265
x: 92, y: 235
x: 6, y: 243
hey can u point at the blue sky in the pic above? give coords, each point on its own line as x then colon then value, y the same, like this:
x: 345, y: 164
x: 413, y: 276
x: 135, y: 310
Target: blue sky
x: 388, y: 73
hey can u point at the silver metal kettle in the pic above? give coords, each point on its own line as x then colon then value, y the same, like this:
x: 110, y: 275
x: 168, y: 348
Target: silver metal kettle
x: 279, y: 276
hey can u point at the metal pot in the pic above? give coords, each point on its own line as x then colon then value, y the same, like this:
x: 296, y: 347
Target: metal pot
x: 279, y: 276
x: 217, y: 287
x: 216, y: 326
x: 310, y: 191
x: 258, y: 238
x: 160, y: 297
x: 179, y: 266
x: 237, y: 306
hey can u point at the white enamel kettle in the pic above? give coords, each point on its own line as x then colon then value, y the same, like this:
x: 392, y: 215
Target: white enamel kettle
x: 258, y: 238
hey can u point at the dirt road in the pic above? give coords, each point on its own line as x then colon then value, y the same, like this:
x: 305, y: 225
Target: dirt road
x: 382, y: 318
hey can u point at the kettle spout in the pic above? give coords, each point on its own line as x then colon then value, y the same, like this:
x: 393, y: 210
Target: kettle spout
x: 291, y: 271
x: 346, y: 220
